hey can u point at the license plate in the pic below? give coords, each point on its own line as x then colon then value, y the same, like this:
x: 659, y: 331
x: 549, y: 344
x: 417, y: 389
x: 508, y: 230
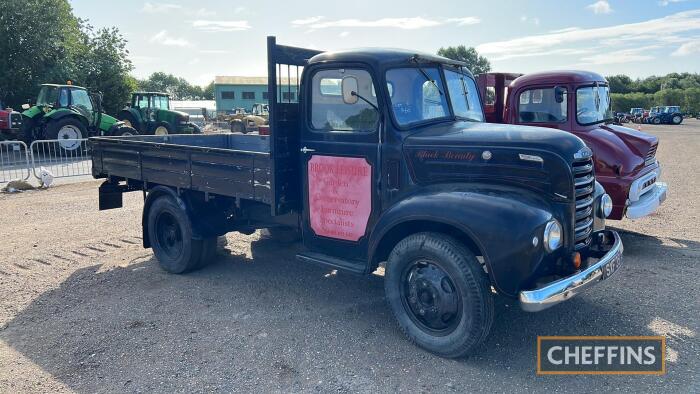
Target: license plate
x: 611, y: 267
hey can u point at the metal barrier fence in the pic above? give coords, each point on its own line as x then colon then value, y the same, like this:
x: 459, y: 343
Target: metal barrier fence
x: 14, y: 161
x: 63, y: 158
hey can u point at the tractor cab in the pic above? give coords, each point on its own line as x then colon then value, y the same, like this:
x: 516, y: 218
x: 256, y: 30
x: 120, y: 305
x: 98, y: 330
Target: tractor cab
x: 150, y: 113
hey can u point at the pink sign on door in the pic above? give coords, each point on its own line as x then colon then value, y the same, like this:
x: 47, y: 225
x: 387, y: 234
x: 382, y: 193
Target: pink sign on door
x: 340, y: 196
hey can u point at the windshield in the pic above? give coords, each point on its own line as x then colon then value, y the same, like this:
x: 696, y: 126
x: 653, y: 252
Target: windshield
x: 464, y: 96
x: 415, y: 98
x: 593, y: 104
x: 48, y: 95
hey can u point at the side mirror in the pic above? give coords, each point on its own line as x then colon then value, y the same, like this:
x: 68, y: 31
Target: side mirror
x: 26, y: 106
x: 559, y: 92
x: 349, y: 88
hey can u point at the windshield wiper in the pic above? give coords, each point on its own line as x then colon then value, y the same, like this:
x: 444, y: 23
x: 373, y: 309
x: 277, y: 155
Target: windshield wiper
x: 414, y: 59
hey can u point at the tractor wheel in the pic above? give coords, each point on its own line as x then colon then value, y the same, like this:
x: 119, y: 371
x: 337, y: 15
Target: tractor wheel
x: 656, y: 120
x: 124, y: 131
x: 129, y: 121
x: 677, y: 119
x: 162, y: 129
x: 68, y: 132
x: 237, y: 127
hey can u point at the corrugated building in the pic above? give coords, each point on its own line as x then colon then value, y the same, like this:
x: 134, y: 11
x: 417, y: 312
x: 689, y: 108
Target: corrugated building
x: 233, y: 92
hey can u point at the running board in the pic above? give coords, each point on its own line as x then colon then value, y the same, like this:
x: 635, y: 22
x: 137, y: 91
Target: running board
x: 356, y: 267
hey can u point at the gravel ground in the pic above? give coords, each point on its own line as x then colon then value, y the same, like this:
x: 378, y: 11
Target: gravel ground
x: 84, y: 308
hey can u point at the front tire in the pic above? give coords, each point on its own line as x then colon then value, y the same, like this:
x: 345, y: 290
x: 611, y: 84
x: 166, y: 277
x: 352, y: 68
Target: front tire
x: 439, y: 294
x: 124, y: 131
x: 66, y: 131
x: 677, y: 119
x: 656, y: 121
x: 170, y: 232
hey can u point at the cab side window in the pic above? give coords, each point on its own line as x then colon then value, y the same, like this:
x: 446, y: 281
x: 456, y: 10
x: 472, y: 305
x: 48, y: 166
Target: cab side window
x: 328, y: 110
x: 63, y: 98
x: 142, y: 102
x: 541, y: 106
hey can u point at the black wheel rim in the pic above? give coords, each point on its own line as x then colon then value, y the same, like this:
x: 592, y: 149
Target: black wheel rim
x: 431, y: 298
x: 169, y: 235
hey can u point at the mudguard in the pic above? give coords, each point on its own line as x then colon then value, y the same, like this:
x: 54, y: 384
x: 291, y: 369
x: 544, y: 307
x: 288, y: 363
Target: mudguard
x: 60, y: 113
x: 501, y: 223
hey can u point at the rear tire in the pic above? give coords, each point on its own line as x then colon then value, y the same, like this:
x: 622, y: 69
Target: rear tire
x: 439, y: 294
x: 170, y: 232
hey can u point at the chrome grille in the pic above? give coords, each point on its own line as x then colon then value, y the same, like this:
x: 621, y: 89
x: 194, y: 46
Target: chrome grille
x: 584, y: 189
x: 651, y: 155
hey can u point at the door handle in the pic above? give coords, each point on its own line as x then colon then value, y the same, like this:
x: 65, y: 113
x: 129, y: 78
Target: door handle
x: 306, y: 150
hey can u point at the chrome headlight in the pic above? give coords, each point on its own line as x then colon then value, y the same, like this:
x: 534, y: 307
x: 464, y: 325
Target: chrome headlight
x: 552, y: 236
x: 606, y: 205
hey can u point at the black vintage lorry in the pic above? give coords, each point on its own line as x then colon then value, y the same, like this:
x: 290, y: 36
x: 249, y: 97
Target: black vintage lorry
x: 384, y: 159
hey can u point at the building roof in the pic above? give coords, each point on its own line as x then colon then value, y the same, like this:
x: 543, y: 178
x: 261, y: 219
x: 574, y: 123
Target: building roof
x: 238, y: 80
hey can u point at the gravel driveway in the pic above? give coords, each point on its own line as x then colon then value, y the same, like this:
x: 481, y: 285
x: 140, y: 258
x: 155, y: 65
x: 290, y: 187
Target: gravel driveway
x: 84, y: 308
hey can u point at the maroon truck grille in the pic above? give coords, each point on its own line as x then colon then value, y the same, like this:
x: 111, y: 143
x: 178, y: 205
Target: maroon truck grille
x: 651, y: 155
x: 584, y: 191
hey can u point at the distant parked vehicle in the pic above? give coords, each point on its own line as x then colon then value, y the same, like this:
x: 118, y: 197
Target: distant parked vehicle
x: 68, y: 113
x: 10, y: 123
x: 670, y: 114
x: 150, y: 113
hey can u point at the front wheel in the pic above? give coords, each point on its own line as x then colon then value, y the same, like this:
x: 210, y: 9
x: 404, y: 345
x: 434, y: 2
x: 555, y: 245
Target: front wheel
x: 677, y: 119
x: 68, y: 131
x: 439, y: 294
x: 124, y: 131
x: 656, y: 121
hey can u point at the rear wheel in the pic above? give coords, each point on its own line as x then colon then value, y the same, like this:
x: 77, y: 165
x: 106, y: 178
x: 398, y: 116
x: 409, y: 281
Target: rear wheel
x: 68, y: 132
x: 170, y: 232
x: 439, y: 294
x: 124, y: 131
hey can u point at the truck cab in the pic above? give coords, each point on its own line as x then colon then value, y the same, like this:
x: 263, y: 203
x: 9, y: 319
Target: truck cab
x: 384, y: 161
x: 579, y: 102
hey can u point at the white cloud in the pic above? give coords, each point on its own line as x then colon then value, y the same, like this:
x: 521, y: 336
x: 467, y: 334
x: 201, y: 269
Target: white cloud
x: 468, y: 20
x: 640, y: 54
x: 214, y: 51
x: 155, y: 8
x: 202, y: 12
x: 163, y: 38
x: 194, y: 61
x: 344, y: 34
x: 221, y: 26
x: 688, y: 48
x: 534, y: 20
x: 319, y: 22
x: 306, y: 21
x: 664, y: 3
x: 658, y: 29
x: 239, y: 10
x: 600, y: 7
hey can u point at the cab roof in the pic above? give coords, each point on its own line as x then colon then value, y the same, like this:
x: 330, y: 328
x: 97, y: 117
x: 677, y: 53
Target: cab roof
x: 152, y: 93
x: 54, y: 85
x: 380, y: 57
x: 560, y: 76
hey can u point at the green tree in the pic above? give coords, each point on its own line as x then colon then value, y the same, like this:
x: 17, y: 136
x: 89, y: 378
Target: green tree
x: 208, y: 92
x: 104, y: 66
x: 178, y: 88
x: 620, y: 83
x: 39, y: 42
x: 476, y: 63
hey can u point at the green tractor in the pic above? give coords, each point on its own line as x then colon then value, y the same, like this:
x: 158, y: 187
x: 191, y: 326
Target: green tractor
x: 150, y: 113
x: 68, y: 113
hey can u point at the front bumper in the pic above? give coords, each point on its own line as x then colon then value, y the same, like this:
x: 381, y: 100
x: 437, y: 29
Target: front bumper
x: 648, y: 202
x: 565, y: 288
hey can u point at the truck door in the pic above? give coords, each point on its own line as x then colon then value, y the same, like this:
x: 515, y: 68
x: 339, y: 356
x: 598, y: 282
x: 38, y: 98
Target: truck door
x: 339, y: 161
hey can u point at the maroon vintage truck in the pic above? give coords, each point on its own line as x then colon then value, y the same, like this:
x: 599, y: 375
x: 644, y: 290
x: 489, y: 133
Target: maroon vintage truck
x: 579, y: 102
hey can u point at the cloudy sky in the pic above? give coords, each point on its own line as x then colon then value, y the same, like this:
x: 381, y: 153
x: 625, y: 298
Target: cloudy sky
x: 200, y: 39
